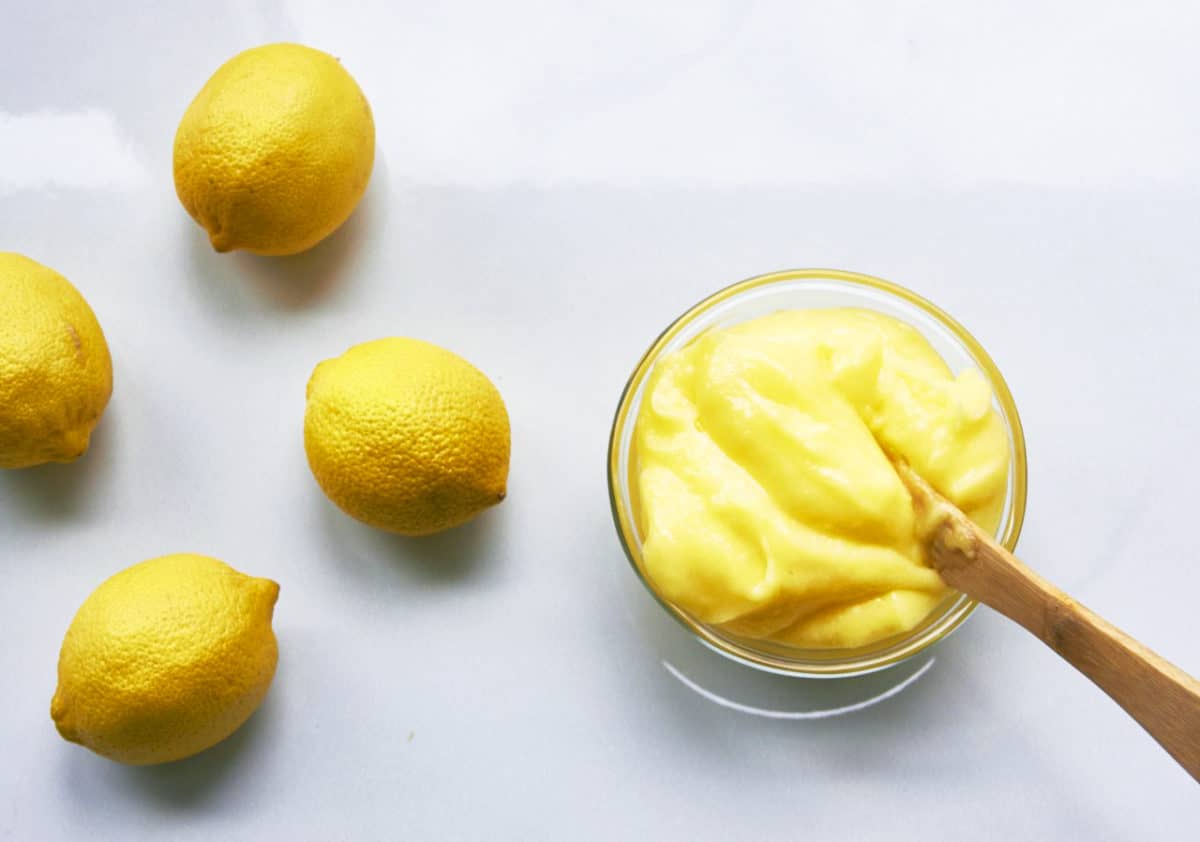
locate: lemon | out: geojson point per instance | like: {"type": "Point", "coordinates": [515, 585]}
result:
{"type": "Point", "coordinates": [55, 369]}
{"type": "Point", "coordinates": [275, 151]}
{"type": "Point", "coordinates": [406, 436]}
{"type": "Point", "coordinates": [166, 659]}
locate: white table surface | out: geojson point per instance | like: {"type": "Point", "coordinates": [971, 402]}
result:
{"type": "Point", "coordinates": [553, 184]}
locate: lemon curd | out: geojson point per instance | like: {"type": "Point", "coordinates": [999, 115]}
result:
{"type": "Point", "coordinates": [763, 490]}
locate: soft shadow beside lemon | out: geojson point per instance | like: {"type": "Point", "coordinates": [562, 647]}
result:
{"type": "Point", "coordinates": [195, 779]}
{"type": "Point", "coordinates": [236, 281]}
{"type": "Point", "coordinates": [296, 281]}
{"type": "Point", "coordinates": [446, 558]}
{"type": "Point", "coordinates": [59, 491]}
{"type": "Point", "coordinates": [300, 280]}
{"type": "Point", "coordinates": [191, 783]}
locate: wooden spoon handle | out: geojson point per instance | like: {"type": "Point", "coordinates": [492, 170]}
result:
{"type": "Point", "coordinates": [1161, 697]}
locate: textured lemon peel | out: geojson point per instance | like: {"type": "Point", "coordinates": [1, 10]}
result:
{"type": "Point", "coordinates": [406, 436]}
{"type": "Point", "coordinates": [55, 366]}
{"type": "Point", "coordinates": [276, 150]}
{"type": "Point", "coordinates": [165, 659]}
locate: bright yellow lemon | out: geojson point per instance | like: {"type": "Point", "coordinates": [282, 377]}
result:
{"type": "Point", "coordinates": [55, 369]}
{"type": "Point", "coordinates": [275, 151]}
{"type": "Point", "coordinates": [166, 659]}
{"type": "Point", "coordinates": [406, 436]}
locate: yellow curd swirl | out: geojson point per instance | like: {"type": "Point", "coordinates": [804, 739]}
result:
{"type": "Point", "coordinates": [763, 490]}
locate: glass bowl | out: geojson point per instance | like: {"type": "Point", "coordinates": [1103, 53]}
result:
{"type": "Point", "coordinates": [798, 290]}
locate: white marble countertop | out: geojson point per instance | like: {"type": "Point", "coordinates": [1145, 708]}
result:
{"type": "Point", "coordinates": [554, 183]}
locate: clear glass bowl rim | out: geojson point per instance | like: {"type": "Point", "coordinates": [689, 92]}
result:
{"type": "Point", "coordinates": [894, 652]}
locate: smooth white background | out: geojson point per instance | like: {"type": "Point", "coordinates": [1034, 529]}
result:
{"type": "Point", "coordinates": [554, 183]}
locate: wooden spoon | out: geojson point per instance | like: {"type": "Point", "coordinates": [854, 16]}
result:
{"type": "Point", "coordinates": [1161, 697]}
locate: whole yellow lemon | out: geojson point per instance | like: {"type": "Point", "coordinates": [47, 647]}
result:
{"type": "Point", "coordinates": [274, 153]}
{"type": "Point", "coordinates": [406, 436]}
{"type": "Point", "coordinates": [166, 659]}
{"type": "Point", "coordinates": [55, 369]}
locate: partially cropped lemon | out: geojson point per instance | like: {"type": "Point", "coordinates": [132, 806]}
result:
{"type": "Point", "coordinates": [274, 153]}
{"type": "Point", "coordinates": [166, 659]}
{"type": "Point", "coordinates": [406, 436]}
{"type": "Point", "coordinates": [55, 369]}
